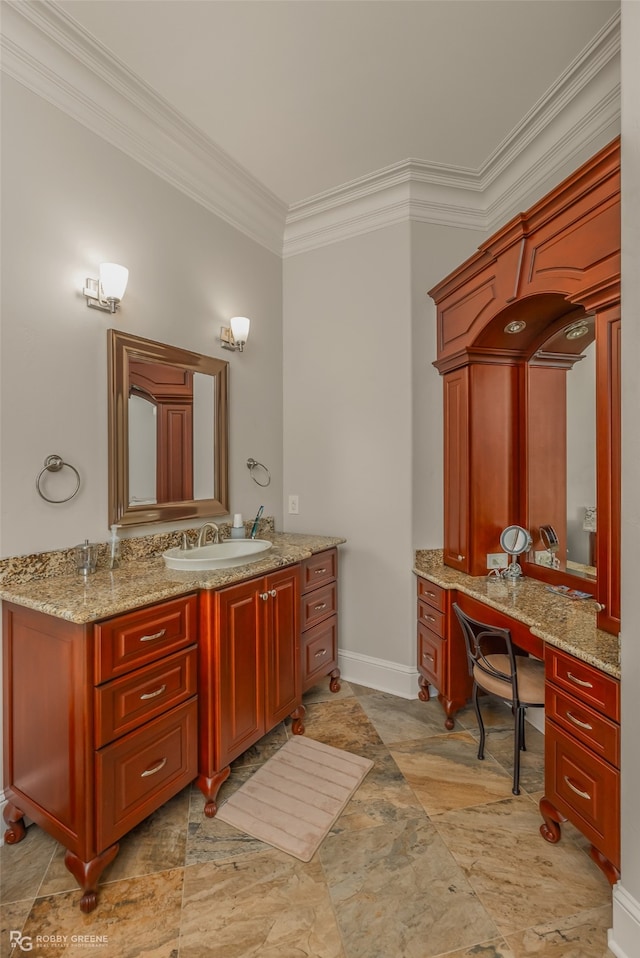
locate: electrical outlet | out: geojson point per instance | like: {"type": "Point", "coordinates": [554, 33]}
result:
{"type": "Point", "coordinates": [294, 506]}
{"type": "Point", "coordinates": [497, 560]}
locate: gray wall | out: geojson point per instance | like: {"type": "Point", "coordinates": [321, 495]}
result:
{"type": "Point", "coordinates": [70, 201]}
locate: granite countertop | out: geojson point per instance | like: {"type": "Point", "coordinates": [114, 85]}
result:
{"type": "Point", "coordinates": [568, 624]}
{"type": "Point", "coordinates": [143, 581]}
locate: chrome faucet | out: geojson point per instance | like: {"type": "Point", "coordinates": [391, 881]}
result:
{"type": "Point", "coordinates": [202, 535]}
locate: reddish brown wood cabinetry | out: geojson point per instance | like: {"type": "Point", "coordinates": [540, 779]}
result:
{"type": "Point", "coordinates": [505, 320]}
{"type": "Point", "coordinates": [319, 620]}
{"type": "Point", "coordinates": [100, 726]}
{"type": "Point", "coordinates": [249, 669]}
{"type": "Point", "coordinates": [582, 756]}
{"type": "Point", "coordinates": [442, 660]}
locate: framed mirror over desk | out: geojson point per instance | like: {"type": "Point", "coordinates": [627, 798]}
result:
{"type": "Point", "coordinates": [529, 350]}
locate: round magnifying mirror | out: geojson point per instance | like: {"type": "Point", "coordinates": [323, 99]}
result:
{"type": "Point", "coordinates": [514, 540]}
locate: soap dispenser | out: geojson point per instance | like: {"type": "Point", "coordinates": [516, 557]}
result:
{"type": "Point", "coordinates": [237, 529]}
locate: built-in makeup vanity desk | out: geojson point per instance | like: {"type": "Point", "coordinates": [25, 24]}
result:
{"type": "Point", "coordinates": [122, 687]}
{"type": "Point", "coordinates": [582, 693]}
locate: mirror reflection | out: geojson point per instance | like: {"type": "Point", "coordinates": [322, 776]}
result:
{"type": "Point", "coordinates": [562, 452]}
{"type": "Point", "coordinates": [168, 432]}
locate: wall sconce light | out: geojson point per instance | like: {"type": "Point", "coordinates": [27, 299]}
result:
{"type": "Point", "coordinates": [235, 335]}
{"type": "Point", "coordinates": [106, 292]}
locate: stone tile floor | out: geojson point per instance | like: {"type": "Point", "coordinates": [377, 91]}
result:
{"type": "Point", "coordinates": [433, 856]}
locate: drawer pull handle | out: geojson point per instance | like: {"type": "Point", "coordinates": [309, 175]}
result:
{"type": "Point", "coordinates": [319, 608]}
{"type": "Point", "coordinates": [431, 595]}
{"type": "Point", "coordinates": [577, 722]}
{"type": "Point", "coordinates": [577, 790]}
{"type": "Point", "coordinates": [431, 618]}
{"type": "Point", "coordinates": [429, 658]}
{"type": "Point", "coordinates": [151, 638]}
{"type": "Point", "coordinates": [319, 654]}
{"type": "Point", "coordinates": [156, 768]}
{"type": "Point", "coordinates": [319, 571]}
{"type": "Point", "coordinates": [153, 695]}
{"type": "Point", "coordinates": [273, 593]}
{"type": "Point", "coordinates": [585, 685]}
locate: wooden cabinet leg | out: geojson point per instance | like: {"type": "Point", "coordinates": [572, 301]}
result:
{"type": "Point", "coordinates": [423, 693]}
{"type": "Point", "coordinates": [450, 706]}
{"type": "Point", "coordinates": [550, 830]}
{"type": "Point", "coordinates": [87, 874]}
{"type": "Point", "coordinates": [14, 818]}
{"type": "Point", "coordinates": [609, 869]}
{"type": "Point", "coordinates": [297, 720]}
{"type": "Point", "coordinates": [210, 788]}
{"type": "Point", "coordinates": [334, 681]}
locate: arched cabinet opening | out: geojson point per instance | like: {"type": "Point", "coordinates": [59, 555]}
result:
{"type": "Point", "coordinates": [529, 350]}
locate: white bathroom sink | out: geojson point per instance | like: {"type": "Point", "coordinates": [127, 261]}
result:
{"type": "Point", "coordinates": [217, 555]}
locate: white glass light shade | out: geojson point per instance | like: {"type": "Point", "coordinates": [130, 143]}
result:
{"type": "Point", "coordinates": [240, 328]}
{"type": "Point", "coordinates": [113, 280]}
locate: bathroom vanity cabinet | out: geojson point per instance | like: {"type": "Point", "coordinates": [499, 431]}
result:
{"type": "Point", "coordinates": [319, 620]}
{"type": "Point", "coordinates": [249, 661]}
{"type": "Point", "coordinates": [112, 707]}
{"type": "Point", "coordinates": [100, 726]}
{"type": "Point", "coordinates": [582, 756]}
{"type": "Point", "coordinates": [582, 702]}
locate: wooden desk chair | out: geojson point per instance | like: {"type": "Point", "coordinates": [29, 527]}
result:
{"type": "Point", "coordinates": [497, 670]}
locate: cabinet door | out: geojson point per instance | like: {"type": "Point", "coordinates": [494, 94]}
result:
{"type": "Point", "coordinates": [239, 668]}
{"type": "Point", "coordinates": [282, 645]}
{"type": "Point", "coordinates": [456, 469]}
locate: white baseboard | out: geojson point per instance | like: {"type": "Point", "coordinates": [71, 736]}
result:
{"type": "Point", "coordinates": [379, 674]}
{"type": "Point", "coordinates": [625, 934]}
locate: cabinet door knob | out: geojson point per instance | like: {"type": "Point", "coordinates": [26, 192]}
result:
{"type": "Point", "coordinates": [460, 558]}
{"type": "Point", "coordinates": [273, 593]}
{"type": "Point", "coordinates": [264, 596]}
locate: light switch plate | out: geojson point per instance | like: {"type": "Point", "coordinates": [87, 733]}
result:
{"type": "Point", "coordinates": [497, 560]}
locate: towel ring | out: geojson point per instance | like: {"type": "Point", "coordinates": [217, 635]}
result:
{"type": "Point", "coordinates": [55, 464]}
{"type": "Point", "coordinates": [253, 464]}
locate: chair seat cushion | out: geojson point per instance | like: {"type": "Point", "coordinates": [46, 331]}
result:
{"type": "Point", "coordinates": [530, 679]}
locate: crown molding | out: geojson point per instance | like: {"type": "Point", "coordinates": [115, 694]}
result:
{"type": "Point", "coordinates": [568, 123]}
{"type": "Point", "coordinates": [49, 53]}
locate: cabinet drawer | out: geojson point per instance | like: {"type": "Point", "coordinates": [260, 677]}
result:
{"type": "Point", "coordinates": [125, 703]}
{"type": "Point", "coordinates": [432, 594]}
{"type": "Point", "coordinates": [432, 618]}
{"type": "Point", "coordinates": [584, 789]}
{"type": "Point", "coordinates": [587, 683]}
{"type": "Point", "coordinates": [141, 771]}
{"type": "Point", "coordinates": [595, 731]}
{"type": "Point", "coordinates": [141, 637]}
{"type": "Point", "coordinates": [319, 604]}
{"type": "Point", "coordinates": [319, 650]}
{"type": "Point", "coordinates": [430, 656]}
{"type": "Point", "coordinates": [319, 569]}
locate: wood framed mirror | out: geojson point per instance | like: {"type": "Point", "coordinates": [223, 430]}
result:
{"type": "Point", "coordinates": [168, 432]}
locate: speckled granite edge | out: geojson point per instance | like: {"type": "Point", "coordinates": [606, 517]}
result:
{"type": "Point", "coordinates": [143, 581]}
{"type": "Point", "coordinates": [566, 624]}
